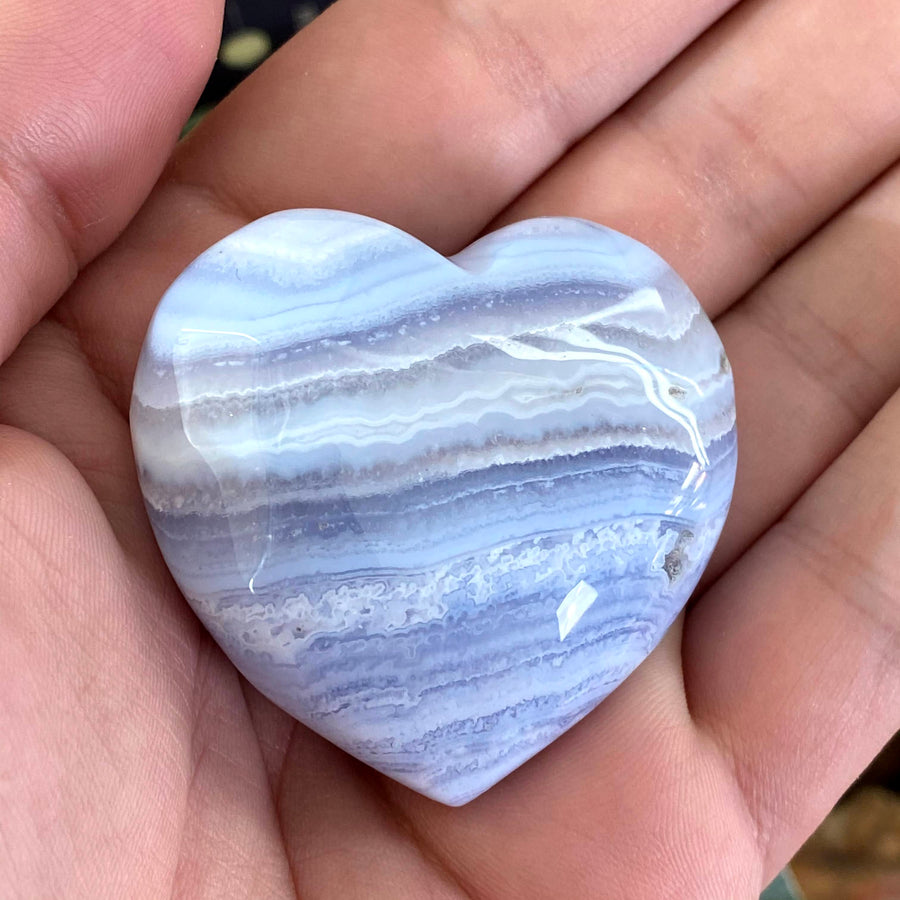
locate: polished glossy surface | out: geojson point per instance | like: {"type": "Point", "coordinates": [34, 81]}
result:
{"type": "Point", "coordinates": [435, 509]}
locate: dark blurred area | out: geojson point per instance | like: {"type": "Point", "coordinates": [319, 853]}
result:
{"type": "Point", "coordinates": [253, 30]}
{"type": "Point", "coordinates": [855, 854]}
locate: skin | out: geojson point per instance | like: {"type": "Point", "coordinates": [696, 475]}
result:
{"type": "Point", "coordinates": [752, 144]}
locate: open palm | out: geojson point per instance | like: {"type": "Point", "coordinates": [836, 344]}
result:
{"type": "Point", "coordinates": [134, 761]}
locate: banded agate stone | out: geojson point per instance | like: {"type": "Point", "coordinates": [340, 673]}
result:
{"type": "Point", "coordinates": [434, 509]}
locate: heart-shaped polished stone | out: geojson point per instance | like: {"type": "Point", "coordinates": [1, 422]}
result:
{"type": "Point", "coordinates": [435, 509]}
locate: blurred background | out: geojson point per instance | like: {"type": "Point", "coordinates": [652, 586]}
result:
{"type": "Point", "coordinates": [855, 854]}
{"type": "Point", "coordinates": [253, 30]}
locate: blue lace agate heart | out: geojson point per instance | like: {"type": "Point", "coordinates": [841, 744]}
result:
{"type": "Point", "coordinates": [435, 509]}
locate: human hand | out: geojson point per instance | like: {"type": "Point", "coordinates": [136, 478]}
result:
{"type": "Point", "coordinates": [135, 761]}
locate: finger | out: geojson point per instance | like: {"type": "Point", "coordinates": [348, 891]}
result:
{"type": "Point", "coordinates": [764, 128]}
{"type": "Point", "coordinates": [816, 352]}
{"type": "Point", "coordinates": [340, 836]}
{"type": "Point", "coordinates": [47, 389]}
{"type": "Point", "coordinates": [430, 115]}
{"type": "Point", "coordinates": [93, 97]}
{"type": "Point", "coordinates": [792, 659]}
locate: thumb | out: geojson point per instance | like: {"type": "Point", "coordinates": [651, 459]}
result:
{"type": "Point", "coordinates": [94, 94]}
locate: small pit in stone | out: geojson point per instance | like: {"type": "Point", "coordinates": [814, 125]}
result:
{"type": "Point", "coordinates": [676, 559]}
